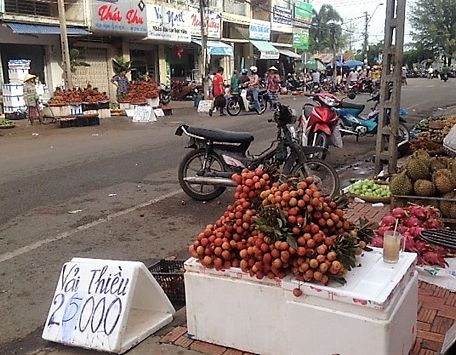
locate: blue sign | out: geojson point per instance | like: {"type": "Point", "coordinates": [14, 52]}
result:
{"type": "Point", "coordinates": [260, 30]}
{"type": "Point", "coordinates": [282, 19]}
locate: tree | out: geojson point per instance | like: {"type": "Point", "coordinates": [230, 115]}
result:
{"type": "Point", "coordinates": [434, 26]}
{"type": "Point", "coordinates": [76, 60]}
{"type": "Point", "coordinates": [320, 31]}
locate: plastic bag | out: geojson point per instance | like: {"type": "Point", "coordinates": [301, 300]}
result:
{"type": "Point", "coordinates": [336, 137]}
{"type": "Point", "coordinates": [449, 141]}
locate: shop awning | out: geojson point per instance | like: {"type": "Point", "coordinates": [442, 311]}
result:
{"type": "Point", "coordinates": [217, 48]}
{"type": "Point", "coordinates": [267, 50]}
{"type": "Point", "coordinates": [289, 53]}
{"type": "Point", "coordinates": [26, 28]}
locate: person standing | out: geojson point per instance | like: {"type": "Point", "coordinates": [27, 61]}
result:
{"type": "Point", "coordinates": [219, 92]}
{"type": "Point", "coordinates": [273, 86]}
{"type": "Point", "coordinates": [404, 76]}
{"type": "Point", "coordinates": [121, 83]}
{"type": "Point", "coordinates": [31, 98]}
{"type": "Point", "coordinates": [234, 82]}
{"type": "Point", "coordinates": [254, 87]}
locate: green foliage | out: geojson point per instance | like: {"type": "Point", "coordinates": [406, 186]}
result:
{"type": "Point", "coordinates": [76, 61]}
{"type": "Point", "coordinates": [434, 25]}
{"type": "Point", "coordinates": [119, 64]}
{"type": "Point", "coordinates": [321, 29]}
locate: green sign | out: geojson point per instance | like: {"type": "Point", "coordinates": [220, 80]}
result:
{"type": "Point", "coordinates": [300, 38]}
{"type": "Point", "coordinates": [303, 12]}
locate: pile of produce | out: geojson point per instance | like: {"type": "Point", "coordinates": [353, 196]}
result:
{"type": "Point", "coordinates": [274, 229]}
{"type": "Point", "coordinates": [77, 96]}
{"type": "Point", "coordinates": [140, 91]}
{"type": "Point", "coordinates": [411, 221]}
{"type": "Point", "coordinates": [428, 177]}
{"type": "Point", "coordinates": [369, 188]}
{"type": "Point", "coordinates": [4, 123]}
{"type": "Point", "coordinates": [430, 132]}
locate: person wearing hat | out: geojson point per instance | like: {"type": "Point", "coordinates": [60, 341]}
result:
{"type": "Point", "coordinates": [31, 98]}
{"type": "Point", "coordinates": [273, 86]}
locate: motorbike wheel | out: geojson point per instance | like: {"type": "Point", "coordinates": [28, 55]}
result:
{"type": "Point", "coordinates": [319, 139]}
{"type": "Point", "coordinates": [263, 106]}
{"type": "Point", "coordinates": [233, 108]}
{"type": "Point", "coordinates": [324, 175]}
{"type": "Point", "coordinates": [191, 165]}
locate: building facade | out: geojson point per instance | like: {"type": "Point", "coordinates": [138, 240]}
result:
{"type": "Point", "coordinates": [160, 38]}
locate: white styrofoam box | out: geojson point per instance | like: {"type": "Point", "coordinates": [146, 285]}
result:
{"type": "Point", "coordinates": [231, 308]}
{"type": "Point", "coordinates": [372, 285]}
{"type": "Point", "coordinates": [17, 74]}
{"type": "Point", "coordinates": [75, 109]}
{"type": "Point", "coordinates": [11, 109]}
{"type": "Point", "coordinates": [153, 102]}
{"type": "Point", "coordinates": [104, 112]}
{"type": "Point", "coordinates": [124, 105]}
{"type": "Point", "coordinates": [13, 89]}
{"type": "Point", "coordinates": [14, 101]}
{"type": "Point", "coordinates": [59, 110]}
{"type": "Point", "coordinates": [377, 308]}
{"type": "Point", "coordinates": [324, 330]}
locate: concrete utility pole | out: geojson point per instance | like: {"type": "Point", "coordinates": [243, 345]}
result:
{"type": "Point", "coordinates": [64, 45]}
{"type": "Point", "coordinates": [366, 34]}
{"type": "Point", "coordinates": [204, 65]}
{"type": "Point", "coordinates": [390, 90]}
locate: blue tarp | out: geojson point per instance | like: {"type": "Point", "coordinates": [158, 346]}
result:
{"type": "Point", "coordinates": [354, 63]}
{"type": "Point", "coordinates": [217, 48]}
{"type": "Point", "coordinates": [26, 28]}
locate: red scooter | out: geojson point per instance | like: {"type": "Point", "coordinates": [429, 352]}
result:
{"type": "Point", "coordinates": [318, 125]}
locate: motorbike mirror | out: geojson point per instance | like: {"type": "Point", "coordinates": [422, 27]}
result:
{"type": "Point", "coordinates": [352, 96]}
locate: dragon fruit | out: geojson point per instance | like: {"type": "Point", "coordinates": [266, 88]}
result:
{"type": "Point", "coordinates": [411, 222]}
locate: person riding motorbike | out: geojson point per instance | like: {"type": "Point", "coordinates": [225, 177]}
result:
{"type": "Point", "coordinates": [243, 78]}
{"type": "Point", "coordinates": [254, 86]}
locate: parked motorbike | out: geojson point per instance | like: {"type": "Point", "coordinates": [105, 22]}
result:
{"type": "Point", "coordinates": [444, 77]}
{"type": "Point", "coordinates": [244, 102]}
{"type": "Point", "coordinates": [205, 172]}
{"type": "Point", "coordinates": [353, 123]}
{"type": "Point", "coordinates": [165, 94]}
{"type": "Point", "coordinates": [183, 90]}
{"type": "Point", "coordinates": [317, 123]}
{"type": "Point", "coordinates": [294, 84]}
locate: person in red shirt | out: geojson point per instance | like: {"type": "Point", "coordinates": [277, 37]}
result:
{"type": "Point", "coordinates": [218, 91]}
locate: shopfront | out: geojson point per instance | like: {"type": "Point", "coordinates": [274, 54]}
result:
{"type": "Point", "coordinates": [265, 53]}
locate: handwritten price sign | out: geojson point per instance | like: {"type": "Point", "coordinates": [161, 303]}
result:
{"type": "Point", "coordinates": [93, 302]}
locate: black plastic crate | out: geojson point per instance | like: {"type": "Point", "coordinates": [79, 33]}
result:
{"type": "Point", "coordinates": [89, 106]}
{"type": "Point", "coordinates": [104, 105]}
{"type": "Point", "coordinates": [170, 276]}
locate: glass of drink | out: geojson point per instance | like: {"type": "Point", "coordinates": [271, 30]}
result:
{"type": "Point", "coordinates": [393, 246]}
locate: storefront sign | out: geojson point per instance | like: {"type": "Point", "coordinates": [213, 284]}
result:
{"type": "Point", "coordinates": [260, 30]}
{"type": "Point", "coordinates": [167, 24]}
{"type": "Point", "coordinates": [300, 38]}
{"type": "Point", "coordinates": [211, 22]}
{"type": "Point", "coordinates": [303, 12]}
{"type": "Point", "coordinates": [282, 19]}
{"type": "Point", "coordinates": [119, 16]}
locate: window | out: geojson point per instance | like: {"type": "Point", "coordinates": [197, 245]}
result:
{"type": "Point", "coordinates": [235, 7]}
{"type": "Point", "coordinates": [30, 7]}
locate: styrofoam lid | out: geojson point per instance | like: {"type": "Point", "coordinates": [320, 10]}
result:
{"type": "Point", "coordinates": [370, 284]}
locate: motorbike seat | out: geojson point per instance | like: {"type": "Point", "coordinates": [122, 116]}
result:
{"type": "Point", "coordinates": [350, 105]}
{"type": "Point", "coordinates": [220, 135]}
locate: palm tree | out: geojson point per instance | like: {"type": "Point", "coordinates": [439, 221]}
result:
{"type": "Point", "coordinates": [320, 31]}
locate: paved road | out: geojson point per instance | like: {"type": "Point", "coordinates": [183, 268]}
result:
{"type": "Point", "coordinates": [119, 179]}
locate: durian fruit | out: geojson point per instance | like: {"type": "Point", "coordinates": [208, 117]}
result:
{"type": "Point", "coordinates": [417, 169]}
{"type": "Point", "coordinates": [424, 188]}
{"type": "Point", "coordinates": [401, 184]}
{"type": "Point", "coordinates": [422, 155]}
{"type": "Point", "coordinates": [438, 163]}
{"type": "Point", "coordinates": [448, 208]}
{"type": "Point", "coordinates": [444, 181]}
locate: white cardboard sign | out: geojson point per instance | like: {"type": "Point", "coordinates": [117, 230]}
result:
{"type": "Point", "coordinates": [204, 105]}
{"type": "Point", "coordinates": [106, 305]}
{"type": "Point", "coordinates": [144, 114]}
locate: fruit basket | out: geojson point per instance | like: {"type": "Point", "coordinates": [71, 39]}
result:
{"type": "Point", "coordinates": [6, 124]}
{"type": "Point", "coordinates": [170, 276]}
{"type": "Point", "coordinates": [371, 191]}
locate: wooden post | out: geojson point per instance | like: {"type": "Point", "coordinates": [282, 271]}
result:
{"type": "Point", "coordinates": [390, 91]}
{"type": "Point", "coordinates": [64, 46]}
{"type": "Point", "coordinates": [204, 65]}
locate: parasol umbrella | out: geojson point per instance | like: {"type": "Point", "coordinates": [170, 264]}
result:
{"type": "Point", "coordinates": [354, 63]}
{"type": "Point", "coordinates": [314, 64]}
{"type": "Point", "coordinates": [338, 65]}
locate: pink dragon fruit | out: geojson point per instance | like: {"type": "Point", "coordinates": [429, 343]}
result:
{"type": "Point", "coordinates": [418, 211]}
{"type": "Point", "coordinates": [412, 221]}
{"type": "Point", "coordinates": [388, 220]}
{"type": "Point", "coordinates": [398, 212]}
